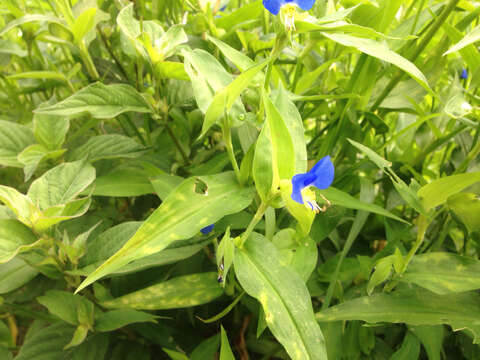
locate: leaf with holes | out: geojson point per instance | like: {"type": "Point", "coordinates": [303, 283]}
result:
{"type": "Point", "coordinates": [194, 204]}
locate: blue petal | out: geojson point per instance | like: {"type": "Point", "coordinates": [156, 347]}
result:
{"type": "Point", "coordinates": [298, 183]}
{"type": "Point", "coordinates": [274, 5]}
{"type": "Point", "coordinates": [324, 173]}
{"type": "Point", "coordinates": [304, 4]}
{"type": "Point", "coordinates": [207, 229]}
{"type": "Point", "coordinates": [464, 74]}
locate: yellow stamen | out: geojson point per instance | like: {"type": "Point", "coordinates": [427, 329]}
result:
{"type": "Point", "coordinates": [288, 12]}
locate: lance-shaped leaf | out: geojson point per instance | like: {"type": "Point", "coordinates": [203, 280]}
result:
{"type": "Point", "coordinates": [382, 52]}
{"type": "Point", "coordinates": [284, 298]}
{"type": "Point", "coordinates": [274, 157]}
{"type": "Point", "coordinates": [100, 101]}
{"type": "Point", "coordinates": [438, 191]}
{"type": "Point", "coordinates": [224, 99]}
{"type": "Point", "coordinates": [179, 292]}
{"type": "Point", "coordinates": [194, 204]}
{"type": "Point", "coordinates": [470, 38]}
{"type": "Point", "coordinates": [443, 273]}
{"type": "Point", "coordinates": [412, 306]}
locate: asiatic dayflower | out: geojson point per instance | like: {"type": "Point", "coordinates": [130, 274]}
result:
{"type": "Point", "coordinates": [207, 229]}
{"type": "Point", "coordinates": [320, 176]}
{"type": "Point", "coordinates": [464, 74]}
{"type": "Point", "coordinates": [287, 9]}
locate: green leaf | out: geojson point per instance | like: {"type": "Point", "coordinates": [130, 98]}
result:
{"type": "Point", "coordinates": [61, 184]}
{"type": "Point", "coordinates": [33, 155]}
{"type": "Point", "coordinates": [443, 273]}
{"type": "Point", "coordinates": [382, 52]}
{"type": "Point", "coordinates": [341, 198]}
{"type": "Point", "coordinates": [168, 44]}
{"type": "Point", "coordinates": [470, 38]}
{"type": "Point", "coordinates": [466, 207]}
{"type": "Point", "coordinates": [225, 254]}
{"type": "Point", "coordinates": [431, 338]}
{"type": "Point", "coordinates": [116, 319]}
{"type": "Point", "coordinates": [410, 348]}
{"type": "Point", "coordinates": [14, 238]}
{"type": "Point", "coordinates": [411, 306]}
{"type": "Point", "coordinates": [284, 298]}
{"type": "Point", "coordinates": [39, 75]}
{"type": "Point", "coordinates": [408, 193]}
{"type": "Point", "coordinates": [274, 157]}
{"type": "Point", "coordinates": [438, 191]}
{"type": "Point", "coordinates": [13, 139]}
{"type": "Point", "coordinates": [67, 306]}
{"type": "Point", "coordinates": [262, 167]}
{"type": "Point", "coordinates": [15, 274]}
{"type": "Point", "coordinates": [171, 70]}
{"type": "Point", "coordinates": [78, 337]}
{"type": "Point", "coordinates": [46, 342]}
{"type": "Point", "coordinates": [293, 121]}
{"type": "Point", "coordinates": [31, 18]}
{"type": "Point", "coordinates": [225, 350]}
{"type": "Point", "coordinates": [179, 292]}
{"type": "Point", "coordinates": [100, 101]}
{"type": "Point", "coordinates": [239, 59]}
{"type": "Point", "coordinates": [83, 24]}
{"type": "Point", "coordinates": [58, 213]}
{"type": "Point", "coordinates": [372, 155]}
{"type": "Point", "coordinates": [12, 48]}
{"type": "Point", "coordinates": [251, 11]}
{"type": "Point", "coordinates": [50, 131]}
{"type": "Point", "coordinates": [300, 212]}
{"type": "Point", "coordinates": [93, 348]}
{"type": "Point", "coordinates": [165, 183]}
{"type": "Point", "coordinates": [207, 349]}
{"type": "Point", "coordinates": [127, 22]}
{"type": "Point", "coordinates": [209, 77]}
{"type": "Point", "coordinates": [109, 242]}
{"type": "Point", "coordinates": [107, 147]}
{"type": "Point", "coordinates": [469, 53]}
{"type": "Point", "coordinates": [20, 204]}
{"type": "Point", "coordinates": [224, 99]}
{"type": "Point", "coordinates": [299, 253]}
{"type": "Point", "coordinates": [124, 181]}
{"type": "Point", "coordinates": [6, 339]}
{"type": "Point", "coordinates": [194, 204]}
{"type": "Point", "coordinates": [175, 355]}
{"type": "Point", "coordinates": [383, 269]}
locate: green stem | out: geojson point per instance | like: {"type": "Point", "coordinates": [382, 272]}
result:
{"type": "Point", "coordinates": [422, 228]}
{"type": "Point", "coordinates": [227, 136]}
{"type": "Point", "coordinates": [177, 143]}
{"type": "Point", "coordinates": [256, 218]}
{"type": "Point", "coordinates": [92, 71]}
{"type": "Point", "coordinates": [135, 130]}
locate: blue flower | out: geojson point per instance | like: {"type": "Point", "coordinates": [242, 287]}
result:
{"type": "Point", "coordinates": [464, 74]}
{"type": "Point", "coordinates": [207, 229]}
{"type": "Point", "coordinates": [320, 176]}
{"type": "Point", "coordinates": [274, 5]}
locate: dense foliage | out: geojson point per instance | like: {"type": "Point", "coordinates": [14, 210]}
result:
{"type": "Point", "coordinates": [211, 179]}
